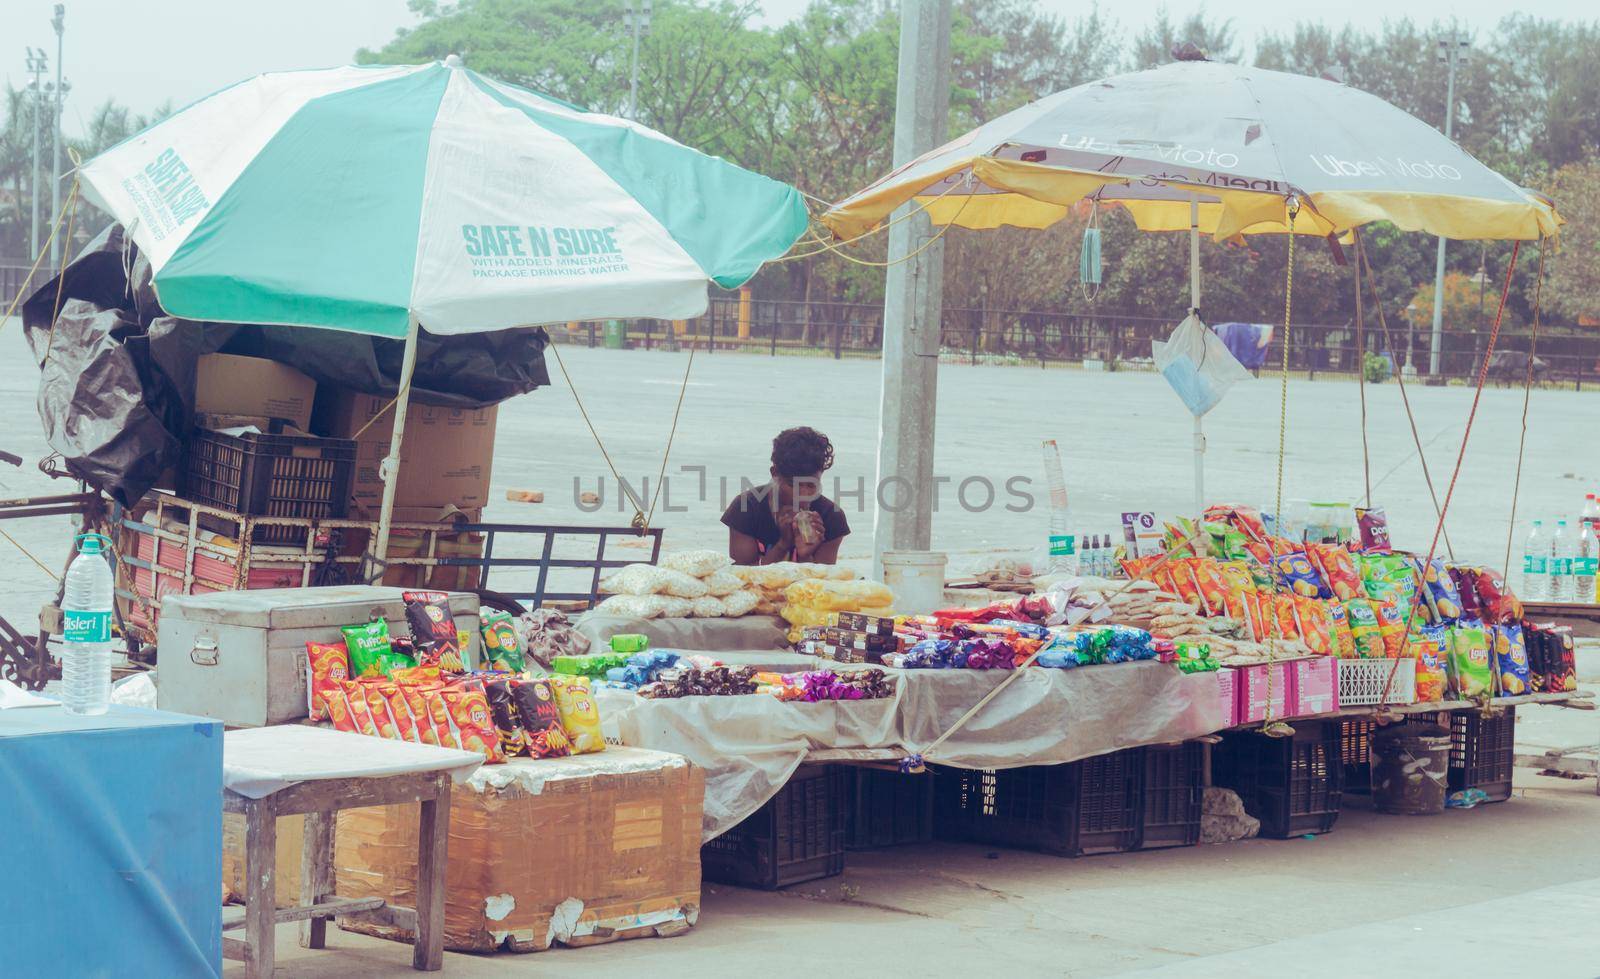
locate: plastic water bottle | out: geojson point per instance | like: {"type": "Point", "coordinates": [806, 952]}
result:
{"type": "Point", "coordinates": [1585, 564]}
{"type": "Point", "coordinates": [1535, 565]}
{"type": "Point", "coordinates": [1063, 551]}
{"type": "Point", "coordinates": [1560, 568]}
{"type": "Point", "coordinates": [86, 630]}
{"type": "Point", "coordinates": [1591, 507]}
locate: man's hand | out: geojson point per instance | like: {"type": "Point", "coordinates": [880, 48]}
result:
{"type": "Point", "coordinates": [804, 551]}
{"type": "Point", "coordinates": [786, 527]}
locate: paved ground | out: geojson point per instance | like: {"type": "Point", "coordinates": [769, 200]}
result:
{"type": "Point", "coordinates": [1512, 886]}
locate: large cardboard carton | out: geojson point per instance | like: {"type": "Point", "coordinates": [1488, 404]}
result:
{"type": "Point", "coordinates": [447, 458]}
{"type": "Point", "coordinates": [570, 851]}
{"type": "Point", "coordinates": [226, 384]}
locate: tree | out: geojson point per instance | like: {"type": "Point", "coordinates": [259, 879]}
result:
{"type": "Point", "coordinates": [1572, 289]}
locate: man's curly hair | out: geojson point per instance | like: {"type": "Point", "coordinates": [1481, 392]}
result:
{"type": "Point", "coordinates": [801, 452]}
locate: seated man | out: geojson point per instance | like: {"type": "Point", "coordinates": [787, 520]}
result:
{"type": "Point", "coordinates": [788, 518]}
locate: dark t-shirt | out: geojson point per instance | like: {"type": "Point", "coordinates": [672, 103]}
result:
{"type": "Point", "coordinates": [751, 513]}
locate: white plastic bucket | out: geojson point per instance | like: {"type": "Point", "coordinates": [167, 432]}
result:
{"type": "Point", "coordinates": [917, 580]}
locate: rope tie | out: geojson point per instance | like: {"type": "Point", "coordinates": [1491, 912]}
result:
{"type": "Point", "coordinates": [1522, 442]}
{"type": "Point", "coordinates": [1472, 414]}
{"type": "Point", "coordinates": [1399, 378]}
{"type": "Point", "coordinates": [1269, 726]}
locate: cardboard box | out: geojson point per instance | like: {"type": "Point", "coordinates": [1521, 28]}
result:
{"type": "Point", "coordinates": [291, 837]}
{"type": "Point", "coordinates": [1254, 703]}
{"type": "Point", "coordinates": [226, 384]}
{"type": "Point", "coordinates": [571, 851]}
{"type": "Point", "coordinates": [447, 457]}
{"type": "Point", "coordinates": [1315, 685]}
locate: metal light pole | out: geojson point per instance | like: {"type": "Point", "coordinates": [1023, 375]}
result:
{"type": "Point", "coordinates": [1453, 53]}
{"type": "Point", "coordinates": [36, 64]}
{"type": "Point", "coordinates": [636, 17]}
{"type": "Point", "coordinates": [59, 22]}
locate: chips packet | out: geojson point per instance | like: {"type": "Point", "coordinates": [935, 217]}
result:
{"type": "Point", "coordinates": [1208, 576]}
{"type": "Point", "coordinates": [1471, 674]}
{"type": "Point", "coordinates": [580, 718]}
{"type": "Point", "coordinates": [1431, 647]}
{"type": "Point", "coordinates": [543, 735]}
{"type": "Point", "coordinates": [355, 699]}
{"type": "Point", "coordinates": [507, 723]}
{"type": "Point", "coordinates": [445, 734]}
{"type": "Point", "coordinates": [1467, 588]}
{"type": "Point", "coordinates": [1364, 629]}
{"type": "Point", "coordinates": [417, 704]}
{"type": "Point", "coordinates": [1443, 597]}
{"type": "Point", "coordinates": [1296, 575]}
{"type": "Point", "coordinates": [1392, 627]}
{"type": "Point", "coordinates": [1338, 570]}
{"type": "Point", "coordinates": [1495, 600]}
{"type": "Point", "coordinates": [370, 651]}
{"type": "Point", "coordinates": [433, 629]}
{"type": "Point", "coordinates": [405, 725]}
{"type": "Point", "coordinates": [1511, 661]}
{"type": "Point", "coordinates": [1316, 629]}
{"type": "Point", "coordinates": [502, 648]}
{"type": "Point", "coordinates": [1373, 525]}
{"type": "Point", "coordinates": [474, 724]}
{"type": "Point", "coordinates": [1343, 640]}
{"type": "Point", "coordinates": [325, 661]}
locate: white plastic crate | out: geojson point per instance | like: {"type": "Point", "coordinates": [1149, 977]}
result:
{"type": "Point", "coordinates": [1362, 682]}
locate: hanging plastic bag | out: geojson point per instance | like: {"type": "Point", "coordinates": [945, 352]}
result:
{"type": "Point", "coordinates": [1197, 364]}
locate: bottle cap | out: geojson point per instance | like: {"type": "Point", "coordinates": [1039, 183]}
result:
{"type": "Point", "coordinates": [91, 543]}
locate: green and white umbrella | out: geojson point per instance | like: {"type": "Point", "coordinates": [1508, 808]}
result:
{"type": "Point", "coordinates": [380, 199]}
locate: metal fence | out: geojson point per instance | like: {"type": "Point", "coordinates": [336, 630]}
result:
{"type": "Point", "coordinates": [1045, 339]}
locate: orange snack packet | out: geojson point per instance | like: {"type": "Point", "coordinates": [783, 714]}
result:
{"type": "Point", "coordinates": [325, 661]}
{"type": "Point", "coordinates": [1315, 628]}
{"type": "Point", "coordinates": [469, 715]}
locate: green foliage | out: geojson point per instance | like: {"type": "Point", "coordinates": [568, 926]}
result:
{"type": "Point", "coordinates": [1375, 368]}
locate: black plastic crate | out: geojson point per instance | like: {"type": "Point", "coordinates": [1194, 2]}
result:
{"type": "Point", "coordinates": [1355, 750]}
{"type": "Point", "coordinates": [797, 836]}
{"type": "Point", "coordinates": [1077, 809]}
{"type": "Point", "coordinates": [888, 809]}
{"type": "Point", "coordinates": [255, 474]}
{"type": "Point", "coordinates": [1294, 785]}
{"type": "Point", "coordinates": [1483, 752]}
{"type": "Point", "coordinates": [1172, 795]}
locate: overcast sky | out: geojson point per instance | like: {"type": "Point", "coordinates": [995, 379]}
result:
{"type": "Point", "coordinates": [143, 52]}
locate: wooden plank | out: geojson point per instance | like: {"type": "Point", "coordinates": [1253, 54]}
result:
{"type": "Point", "coordinates": [260, 889]}
{"type": "Point", "coordinates": [433, 838]}
{"type": "Point", "coordinates": [316, 876]}
{"type": "Point", "coordinates": [332, 907]}
{"type": "Point", "coordinates": [388, 916]}
{"type": "Point", "coordinates": [1582, 617]}
{"type": "Point", "coordinates": [233, 948]}
{"type": "Point", "coordinates": [325, 795]}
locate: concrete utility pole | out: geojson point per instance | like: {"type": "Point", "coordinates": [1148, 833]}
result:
{"type": "Point", "coordinates": [59, 22]}
{"type": "Point", "coordinates": [36, 64]}
{"type": "Point", "coordinates": [1453, 52]}
{"type": "Point", "coordinates": [913, 297]}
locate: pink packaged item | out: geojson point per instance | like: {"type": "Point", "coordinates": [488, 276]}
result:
{"type": "Point", "coordinates": [1315, 686]}
{"type": "Point", "coordinates": [1228, 687]}
{"type": "Point", "coordinates": [1253, 702]}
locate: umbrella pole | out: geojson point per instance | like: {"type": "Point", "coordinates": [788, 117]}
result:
{"type": "Point", "coordinates": [1194, 309]}
{"type": "Point", "coordinates": [390, 468]}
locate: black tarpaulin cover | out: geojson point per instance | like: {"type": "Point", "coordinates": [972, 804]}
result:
{"type": "Point", "coordinates": [117, 374]}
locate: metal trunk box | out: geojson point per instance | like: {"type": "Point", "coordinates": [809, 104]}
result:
{"type": "Point", "coordinates": [240, 656]}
